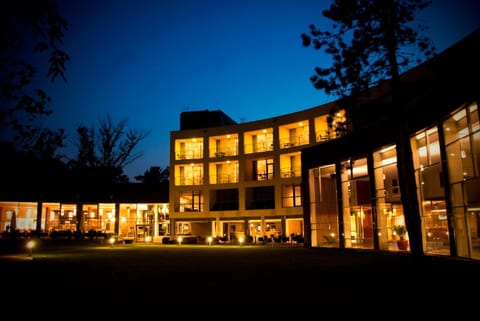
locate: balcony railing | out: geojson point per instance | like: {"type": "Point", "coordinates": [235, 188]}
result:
{"type": "Point", "coordinates": [189, 155]}
{"type": "Point", "coordinates": [182, 181]}
{"type": "Point", "coordinates": [224, 179]}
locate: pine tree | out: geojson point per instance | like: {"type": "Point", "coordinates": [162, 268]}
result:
{"type": "Point", "coordinates": [371, 43]}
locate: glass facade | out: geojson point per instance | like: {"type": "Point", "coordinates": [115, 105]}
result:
{"type": "Point", "coordinates": [462, 145]}
{"type": "Point", "coordinates": [137, 222]}
{"type": "Point", "coordinates": [446, 164]}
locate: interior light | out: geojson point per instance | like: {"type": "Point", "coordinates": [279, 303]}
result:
{"type": "Point", "coordinates": [459, 115]}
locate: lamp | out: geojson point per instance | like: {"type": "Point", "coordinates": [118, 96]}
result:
{"type": "Point", "coordinates": [30, 245]}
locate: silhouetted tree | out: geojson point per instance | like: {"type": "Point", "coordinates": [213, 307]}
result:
{"type": "Point", "coordinates": [26, 174]}
{"type": "Point", "coordinates": [154, 175]}
{"type": "Point", "coordinates": [103, 154]}
{"type": "Point", "coordinates": [372, 42]}
{"type": "Point", "coordinates": [31, 32]}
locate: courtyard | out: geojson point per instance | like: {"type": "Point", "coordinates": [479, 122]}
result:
{"type": "Point", "coordinates": [197, 280]}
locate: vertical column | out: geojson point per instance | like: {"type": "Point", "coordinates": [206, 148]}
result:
{"type": "Point", "coordinates": [246, 231]}
{"type": "Point", "coordinates": [117, 218]}
{"type": "Point", "coordinates": [79, 222]}
{"type": "Point", "coordinates": [312, 137]}
{"type": "Point", "coordinates": [38, 227]}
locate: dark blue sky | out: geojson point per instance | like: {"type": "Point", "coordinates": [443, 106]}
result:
{"type": "Point", "coordinates": [147, 61]}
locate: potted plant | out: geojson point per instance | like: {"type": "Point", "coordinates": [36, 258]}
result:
{"type": "Point", "coordinates": [400, 231]}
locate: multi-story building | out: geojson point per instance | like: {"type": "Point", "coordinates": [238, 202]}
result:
{"type": "Point", "coordinates": [291, 175]}
{"type": "Point", "coordinates": [230, 180]}
{"type": "Point", "coordinates": [292, 178]}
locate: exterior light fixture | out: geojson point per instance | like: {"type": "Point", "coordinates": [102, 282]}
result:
{"type": "Point", "coordinates": [30, 246]}
{"type": "Point", "coordinates": [240, 240]}
{"type": "Point", "coordinates": [111, 240]}
{"type": "Point", "coordinates": [179, 240]}
{"type": "Point", "coordinates": [209, 240]}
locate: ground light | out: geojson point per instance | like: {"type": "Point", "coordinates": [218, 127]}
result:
{"type": "Point", "coordinates": [111, 241]}
{"type": "Point", "coordinates": [30, 245]}
{"type": "Point", "coordinates": [209, 240]}
{"type": "Point", "coordinates": [179, 240]}
{"type": "Point", "coordinates": [240, 240]}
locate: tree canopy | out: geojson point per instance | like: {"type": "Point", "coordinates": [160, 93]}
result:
{"type": "Point", "coordinates": [369, 42]}
{"type": "Point", "coordinates": [155, 175]}
{"type": "Point", "coordinates": [372, 43]}
{"type": "Point", "coordinates": [31, 35]}
{"type": "Point", "coordinates": [360, 42]}
{"type": "Point", "coordinates": [103, 153]}
{"type": "Point", "coordinates": [31, 38]}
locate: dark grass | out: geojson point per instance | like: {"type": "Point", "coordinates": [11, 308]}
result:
{"type": "Point", "coordinates": [234, 277]}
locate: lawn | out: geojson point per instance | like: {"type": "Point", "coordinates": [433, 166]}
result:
{"type": "Point", "coordinates": [98, 274]}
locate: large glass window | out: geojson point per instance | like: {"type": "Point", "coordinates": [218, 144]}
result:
{"type": "Point", "coordinates": [223, 145]}
{"type": "Point", "coordinates": [258, 141]}
{"type": "Point", "coordinates": [223, 172]}
{"type": "Point", "coordinates": [358, 218]}
{"type": "Point", "coordinates": [189, 174]}
{"type": "Point", "coordinates": [462, 138]}
{"type": "Point", "coordinates": [323, 206]}
{"type": "Point", "coordinates": [390, 217]}
{"type": "Point", "coordinates": [259, 169]}
{"type": "Point", "coordinates": [65, 218]}
{"type": "Point", "coordinates": [224, 199]}
{"type": "Point", "coordinates": [429, 174]}
{"type": "Point", "coordinates": [260, 197]}
{"type": "Point", "coordinates": [291, 195]}
{"type": "Point", "coordinates": [189, 148]}
{"type": "Point", "coordinates": [290, 165]}
{"type": "Point", "coordinates": [190, 201]}
{"type": "Point", "coordinates": [19, 218]}
{"type": "Point", "coordinates": [143, 222]}
{"type": "Point", "coordinates": [329, 126]}
{"type": "Point", "coordinates": [294, 134]}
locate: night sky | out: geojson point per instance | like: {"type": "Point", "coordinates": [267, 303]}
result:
{"type": "Point", "coordinates": [148, 61]}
